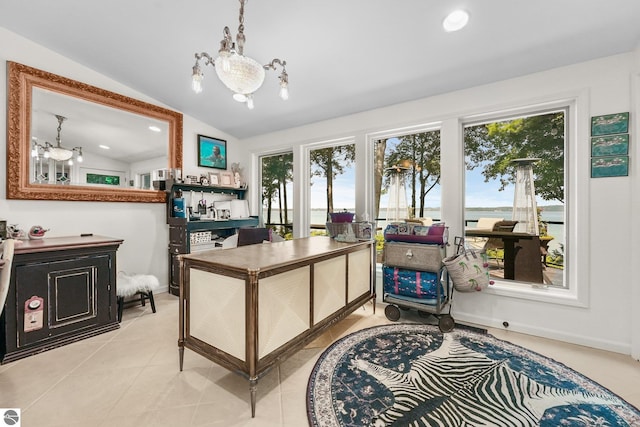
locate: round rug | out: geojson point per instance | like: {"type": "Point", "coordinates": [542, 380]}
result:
{"type": "Point", "coordinates": [412, 374]}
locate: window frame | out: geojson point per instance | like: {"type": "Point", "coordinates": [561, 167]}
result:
{"type": "Point", "coordinates": [257, 161]}
{"type": "Point", "coordinates": [576, 291]}
{"type": "Point", "coordinates": [302, 225]}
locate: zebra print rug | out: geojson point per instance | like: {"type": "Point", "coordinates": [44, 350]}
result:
{"type": "Point", "coordinates": [413, 375]}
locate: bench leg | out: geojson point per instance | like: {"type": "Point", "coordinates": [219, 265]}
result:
{"type": "Point", "coordinates": [153, 303]}
{"type": "Point", "coordinates": [120, 304]}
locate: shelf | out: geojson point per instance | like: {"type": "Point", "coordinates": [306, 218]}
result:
{"type": "Point", "coordinates": [171, 186]}
{"type": "Point", "coordinates": [213, 225]}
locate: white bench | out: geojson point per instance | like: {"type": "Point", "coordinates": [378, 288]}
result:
{"type": "Point", "coordinates": [137, 284]}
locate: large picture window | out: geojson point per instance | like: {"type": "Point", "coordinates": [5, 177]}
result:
{"type": "Point", "coordinates": [276, 172]}
{"type": "Point", "coordinates": [332, 182]}
{"type": "Point", "coordinates": [406, 180]}
{"type": "Point", "coordinates": [515, 199]}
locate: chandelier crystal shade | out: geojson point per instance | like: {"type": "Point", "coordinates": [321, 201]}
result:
{"type": "Point", "coordinates": [241, 74]}
{"type": "Point", "coordinates": [56, 152]}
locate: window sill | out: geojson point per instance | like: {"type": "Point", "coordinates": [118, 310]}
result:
{"type": "Point", "coordinates": [534, 292]}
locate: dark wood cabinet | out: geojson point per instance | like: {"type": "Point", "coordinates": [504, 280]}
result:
{"type": "Point", "coordinates": [62, 290]}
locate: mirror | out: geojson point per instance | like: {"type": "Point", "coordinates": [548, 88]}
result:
{"type": "Point", "coordinates": [46, 110]}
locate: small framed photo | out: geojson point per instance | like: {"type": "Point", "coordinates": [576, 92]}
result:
{"type": "Point", "coordinates": [226, 179]}
{"type": "Point", "coordinates": [214, 178]}
{"type": "Point", "coordinates": [212, 152]}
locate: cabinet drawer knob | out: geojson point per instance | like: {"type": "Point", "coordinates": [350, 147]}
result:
{"type": "Point", "coordinates": [409, 254]}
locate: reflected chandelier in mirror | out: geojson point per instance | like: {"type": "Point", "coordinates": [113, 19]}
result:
{"type": "Point", "coordinates": [118, 149]}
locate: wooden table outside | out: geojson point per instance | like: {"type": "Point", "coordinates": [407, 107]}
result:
{"type": "Point", "coordinates": [522, 259]}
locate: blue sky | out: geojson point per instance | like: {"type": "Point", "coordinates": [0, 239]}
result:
{"type": "Point", "coordinates": [478, 194]}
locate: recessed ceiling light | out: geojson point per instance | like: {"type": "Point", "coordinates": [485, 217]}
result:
{"type": "Point", "coordinates": [455, 21]}
{"type": "Point", "coordinates": [154, 128]}
{"type": "Point", "coordinates": [104, 147]}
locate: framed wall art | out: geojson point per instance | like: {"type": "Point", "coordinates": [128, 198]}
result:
{"type": "Point", "coordinates": [212, 152]}
{"type": "Point", "coordinates": [610, 124]}
{"type": "Point", "coordinates": [609, 166]}
{"type": "Point", "coordinates": [610, 145]}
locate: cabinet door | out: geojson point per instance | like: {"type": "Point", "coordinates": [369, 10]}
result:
{"type": "Point", "coordinates": [75, 293]}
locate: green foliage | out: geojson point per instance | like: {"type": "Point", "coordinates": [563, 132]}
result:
{"type": "Point", "coordinates": [556, 258]}
{"type": "Point", "coordinates": [419, 156]}
{"type": "Point", "coordinates": [276, 172]}
{"type": "Point", "coordinates": [493, 146]}
{"type": "Point", "coordinates": [379, 242]}
{"type": "Point", "coordinates": [330, 162]}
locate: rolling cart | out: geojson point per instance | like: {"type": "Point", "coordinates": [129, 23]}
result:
{"type": "Point", "coordinates": [414, 276]}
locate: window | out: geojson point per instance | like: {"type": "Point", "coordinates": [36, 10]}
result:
{"type": "Point", "coordinates": [515, 199]}
{"type": "Point", "coordinates": [406, 179]}
{"type": "Point", "coordinates": [332, 183]}
{"type": "Point", "coordinates": [94, 178]}
{"type": "Point", "coordinates": [276, 172]}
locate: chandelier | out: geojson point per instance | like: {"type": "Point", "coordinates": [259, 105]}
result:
{"type": "Point", "coordinates": [241, 74]}
{"type": "Point", "coordinates": [56, 152]}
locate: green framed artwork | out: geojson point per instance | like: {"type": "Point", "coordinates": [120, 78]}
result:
{"type": "Point", "coordinates": [609, 166]}
{"type": "Point", "coordinates": [212, 152]}
{"type": "Point", "coordinates": [610, 145]}
{"type": "Point", "coordinates": [610, 124]}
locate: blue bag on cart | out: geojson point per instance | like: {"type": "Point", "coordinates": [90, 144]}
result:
{"type": "Point", "coordinates": [411, 283]}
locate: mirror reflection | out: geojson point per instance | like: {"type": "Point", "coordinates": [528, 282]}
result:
{"type": "Point", "coordinates": [75, 142]}
{"type": "Point", "coordinates": [68, 140]}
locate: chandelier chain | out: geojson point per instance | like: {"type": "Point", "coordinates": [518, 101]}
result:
{"type": "Point", "coordinates": [240, 38]}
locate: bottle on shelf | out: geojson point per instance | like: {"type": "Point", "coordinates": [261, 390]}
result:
{"type": "Point", "coordinates": [178, 205]}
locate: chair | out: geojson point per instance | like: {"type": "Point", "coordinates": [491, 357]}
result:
{"type": "Point", "coordinates": [487, 223]}
{"type": "Point", "coordinates": [495, 243]}
{"type": "Point", "coordinates": [253, 235]}
{"type": "Point", "coordinates": [482, 224]}
{"type": "Point", "coordinates": [428, 221]}
{"type": "Point", "coordinates": [138, 284]}
{"type": "Point", "coordinates": [6, 252]}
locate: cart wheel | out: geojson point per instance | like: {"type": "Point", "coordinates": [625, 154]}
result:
{"type": "Point", "coordinates": [446, 323]}
{"type": "Point", "coordinates": [392, 312]}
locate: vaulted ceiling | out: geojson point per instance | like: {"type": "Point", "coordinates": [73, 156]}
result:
{"type": "Point", "coordinates": [343, 56]}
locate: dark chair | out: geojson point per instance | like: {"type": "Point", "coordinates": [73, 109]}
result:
{"type": "Point", "coordinates": [252, 235]}
{"type": "Point", "coordinates": [495, 243]}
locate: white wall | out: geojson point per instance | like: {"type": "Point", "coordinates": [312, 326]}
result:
{"type": "Point", "coordinates": [141, 225]}
{"type": "Point", "coordinates": [610, 243]}
{"type": "Point", "coordinates": [604, 242]}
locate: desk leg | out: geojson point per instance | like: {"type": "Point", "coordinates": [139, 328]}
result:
{"type": "Point", "coordinates": [253, 388]}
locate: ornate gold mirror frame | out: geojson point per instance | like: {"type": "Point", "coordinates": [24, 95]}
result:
{"type": "Point", "coordinates": [22, 81]}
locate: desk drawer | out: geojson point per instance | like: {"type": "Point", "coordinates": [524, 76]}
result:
{"type": "Point", "coordinates": [413, 256]}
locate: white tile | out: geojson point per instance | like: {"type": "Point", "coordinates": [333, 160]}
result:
{"type": "Point", "coordinates": [131, 376]}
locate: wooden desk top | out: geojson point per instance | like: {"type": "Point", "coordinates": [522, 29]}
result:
{"type": "Point", "coordinates": [269, 256]}
{"type": "Point", "coordinates": [63, 243]}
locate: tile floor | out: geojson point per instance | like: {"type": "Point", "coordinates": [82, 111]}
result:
{"type": "Point", "coordinates": [130, 377]}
